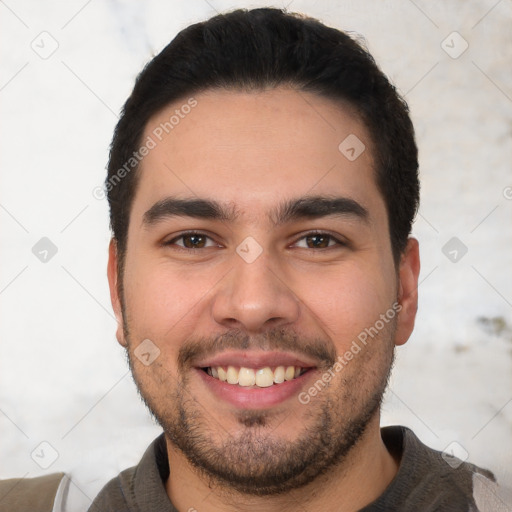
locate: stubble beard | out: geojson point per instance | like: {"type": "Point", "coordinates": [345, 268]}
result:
{"type": "Point", "coordinates": [254, 461]}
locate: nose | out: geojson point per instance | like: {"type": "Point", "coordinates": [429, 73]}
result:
{"type": "Point", "coordinates": [255, 297]}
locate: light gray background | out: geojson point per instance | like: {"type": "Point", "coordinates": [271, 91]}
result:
{"type": "Point", "coordinates": [63, 376]}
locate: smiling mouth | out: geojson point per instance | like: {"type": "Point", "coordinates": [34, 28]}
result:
{"type": "Point", "coordinates": [255, 377]}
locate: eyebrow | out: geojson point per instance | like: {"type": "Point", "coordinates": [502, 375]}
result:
{"type": "Point", "coordinates": [315, 207]}
{"type": "Point", "coordinates": [196, 208]}
{"type": "Point", "coordinates": [308, 207]}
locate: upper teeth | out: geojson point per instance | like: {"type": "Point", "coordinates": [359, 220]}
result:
{"type": "Point", "coordinates": [261, 377]}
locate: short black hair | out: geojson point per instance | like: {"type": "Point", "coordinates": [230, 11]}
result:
{"type": "Point", "coordinates": [257, 49]}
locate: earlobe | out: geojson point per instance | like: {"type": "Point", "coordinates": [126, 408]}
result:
{"type": "Point", "coordinates": [112, 273]}
{"type": "Point", "coordinates": [408, 290]}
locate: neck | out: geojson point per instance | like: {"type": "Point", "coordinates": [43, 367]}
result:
{"type": "Point", "coordinates": [354, 483]}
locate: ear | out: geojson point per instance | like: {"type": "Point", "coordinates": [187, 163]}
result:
{"type": "Point", "coordinates": [112, 273]}
{"type": "Point", "coordinates": [408, 290]}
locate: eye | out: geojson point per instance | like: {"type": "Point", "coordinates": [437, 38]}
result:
{"type": "Point", "coordinates": [192, 240]}
{"type": "Point", "coordinates": [318, 240]}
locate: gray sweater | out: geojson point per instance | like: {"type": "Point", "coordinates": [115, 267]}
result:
{"type": "Point", "coordinates": [426, 481]}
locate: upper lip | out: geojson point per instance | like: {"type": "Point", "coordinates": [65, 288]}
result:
{"type": "Point", "coordinates": [256, 359]}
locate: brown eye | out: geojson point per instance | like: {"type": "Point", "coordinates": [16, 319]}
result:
{"type": "Point", "coordinates": [318, 241]}
{"type": "Point", "coordinates": [194, 241]}
{"type": "Point", "coordinates": [191, 241]}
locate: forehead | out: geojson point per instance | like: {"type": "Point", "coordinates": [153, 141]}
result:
{"type": "Point", "coordinates": [252, 149]}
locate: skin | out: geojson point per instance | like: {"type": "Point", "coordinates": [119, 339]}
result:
{"type": "Point", "coordinates": [252, 151]}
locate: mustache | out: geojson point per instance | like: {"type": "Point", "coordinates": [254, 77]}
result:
{"type": "Point", "coordinates": [277, 339]}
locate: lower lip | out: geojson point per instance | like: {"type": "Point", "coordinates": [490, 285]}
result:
{"type": "Point", "coordinates": [255, 398]}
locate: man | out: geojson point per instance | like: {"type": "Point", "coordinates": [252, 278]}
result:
{"type": "Point", "coordinates": [262, 185]}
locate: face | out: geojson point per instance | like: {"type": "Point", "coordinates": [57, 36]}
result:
{"type": "Point", "coordinates": [258, 258]}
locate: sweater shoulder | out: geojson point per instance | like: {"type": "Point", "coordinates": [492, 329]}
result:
{"type": "Point", "coordinates": [116, 494]}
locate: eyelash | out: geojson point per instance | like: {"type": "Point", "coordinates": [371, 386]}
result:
{"type": "Point", "coordinates": [338, 243]}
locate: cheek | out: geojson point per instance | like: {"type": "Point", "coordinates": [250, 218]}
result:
{"type": "Point", "coordinates": [163, 303]}
{"type": "Point", "coordinates": [348, 301]}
